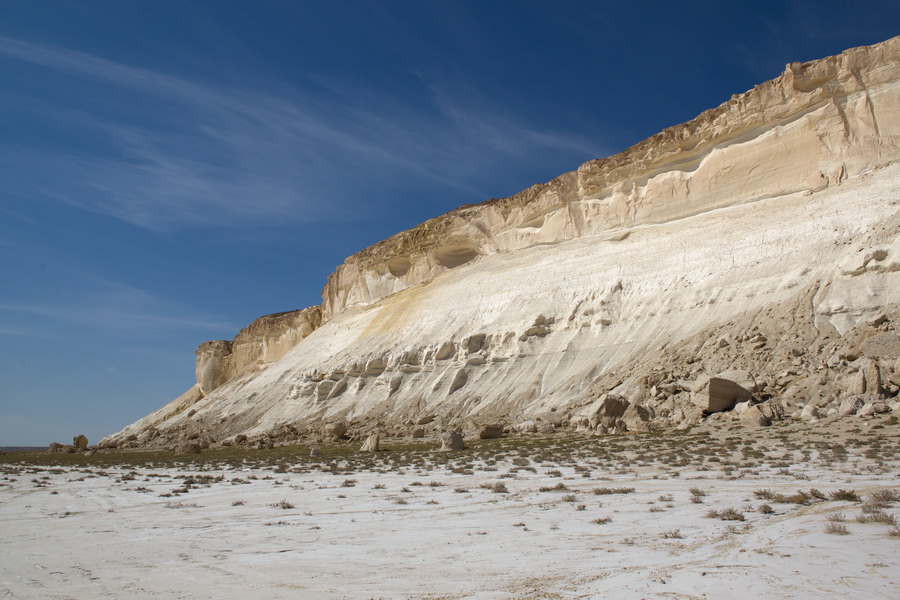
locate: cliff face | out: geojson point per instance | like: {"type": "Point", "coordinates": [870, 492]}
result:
{"type": "Point", "coordinates": [773, 216]}
{"type": "Point", "coordinates": [815, 125]}
{"type": "Point", "coordinates": [264, 341]}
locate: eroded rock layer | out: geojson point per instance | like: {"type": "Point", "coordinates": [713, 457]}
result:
{"type": "Point", "coordinates": [755, 241]}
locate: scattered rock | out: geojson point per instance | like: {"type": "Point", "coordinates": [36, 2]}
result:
{"type": "Point", "coordinates": [609, 408]}
{"type": "Point", "coordinates": [717, 394]}
{"type": "Point", "coordinates": [755, 417]}
{"type": "Point", "coordinates": [371, 443]}
{"type": "Point", "coordinates": [452, 440]}
{"type": "Point", "coordinates": [490, 432]}
{"type": "Point", "coordinates": [636, 418]}
{"type": "Point", "coordinates": [334, 432]}
{"type": "Point", "coordinates": [882, 345]}
{"type": "Point", "coordinates": [544, 427]}
{"type": "Point", "coordinates": [740, 407]}
{"type": "Point", "coordinates": [810, 411]}
{"type": "Point", "coordinates": [873, 408]}
{"type": "Point", "coordinates": [188, 448]}
{"type": "Point", "coordinates": [418, 432]}
{"type": "Point", "coordinates": [850, 406]}
{"type": "Point", "coordinates": [55, 447]}
{"type": "Point", "coordinates": [525, 427]}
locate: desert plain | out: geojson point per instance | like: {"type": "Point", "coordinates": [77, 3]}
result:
{"type": "Point", "coordinates": [796, 510]}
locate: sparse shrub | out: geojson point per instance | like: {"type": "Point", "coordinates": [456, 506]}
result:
{"type": "Point", "coordinates": [672, 534]}
{"type": "Point", "coordinates": [569, 498]}
{"type": "Point", "coordinates": [764, 494]}
{"type": "Point", "coordinates": [378, 486]}
{"type": "Point", "coordinates": [238, 503]}
{"type": "Point", "coordinates": [284, 504]}
{"type": "Point", "coordinates": [845, 496]}
{"type": "Point", "coordinates": [876, 516]}
{"type": "Point", "coordinates": [884, 498]}
{"type": "Point", "coordinates": [180, 505]}
{"type": "Point", "coordinates": [835, 528]}
{"type": "Point", "coordinates": [602, 520]}
{"type": "Point", "coordinates": [559, 487]}
{"type": "Point", "coordinates": [729, 514]}
{"type": "Point", "coordinates": [497, 487]}
{"type": "Point", "coordinates": [766, 509]}
{"type": "Point", "coordinates": [604, 491]}
{"type": "Point", "coordinates": [461, 490]}
{"type": "Point", "coordinates": [349, 483]}
{"type": "Point", "coordinates": [837, 518]}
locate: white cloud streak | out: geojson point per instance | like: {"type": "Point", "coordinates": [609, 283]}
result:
{"type": "Point", "coordinates": [203, 155]}
{"type": "Point", "coordinates": [112, 309]}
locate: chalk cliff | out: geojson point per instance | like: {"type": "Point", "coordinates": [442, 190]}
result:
{"type": "Point", "coordinates": [762, 237]}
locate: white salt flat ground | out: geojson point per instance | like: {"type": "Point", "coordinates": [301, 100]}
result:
{"type": "Point", "coordinates": [67, 536]}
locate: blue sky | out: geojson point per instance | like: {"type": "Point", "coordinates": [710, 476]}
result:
{"type": "Point", "coordinates": [172, 170]}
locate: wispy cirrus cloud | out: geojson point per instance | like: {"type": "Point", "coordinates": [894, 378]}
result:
{"type": "Point", "coordinates": [107, 308]}
{"type": "Point", "coordinates": [175, 153]}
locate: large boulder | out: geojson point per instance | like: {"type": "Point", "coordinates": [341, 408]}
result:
{"type": "Point", "coordinates": [636, 418]}
{"type": "Point", "coordinates": [609, 408]}
{"type": "Point", "coordinates": [544, 426]}
{"type": "Point", "coordinates": [525, 427]}
{"type": "Point", "coordinates": [334, 432]}
{"type": "Point", "coordinates": [850, 406]}
{"type": "Point", "coordinates": [55, 447]}
{"type": "Point", "coordinates": [755, 417]}
{"type": "Point", "coordinates": [882, 345]}
{"type": "Point", "coordinates": [188, 448]}
{"type": "Point", "coordinates": [452, 440]}
{"type": "Point", "coordinates": [810, 412]}
{"type": "Point", "coordinates": [490, 432]}
{"type": "Point", "coordinates": [742, 377]}
{"type": "Point", "coordinates": [873, 408]}
{"type": "Point", "coordinates": [80, 442]}
{"type": "Point", "coordinates": [717, 394]}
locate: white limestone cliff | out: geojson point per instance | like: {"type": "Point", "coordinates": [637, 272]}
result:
{"type": "Point", "coordinates": [772, 215]}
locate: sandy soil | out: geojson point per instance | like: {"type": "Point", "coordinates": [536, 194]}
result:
{"type": "Point", "coordinates": [530, 517]}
